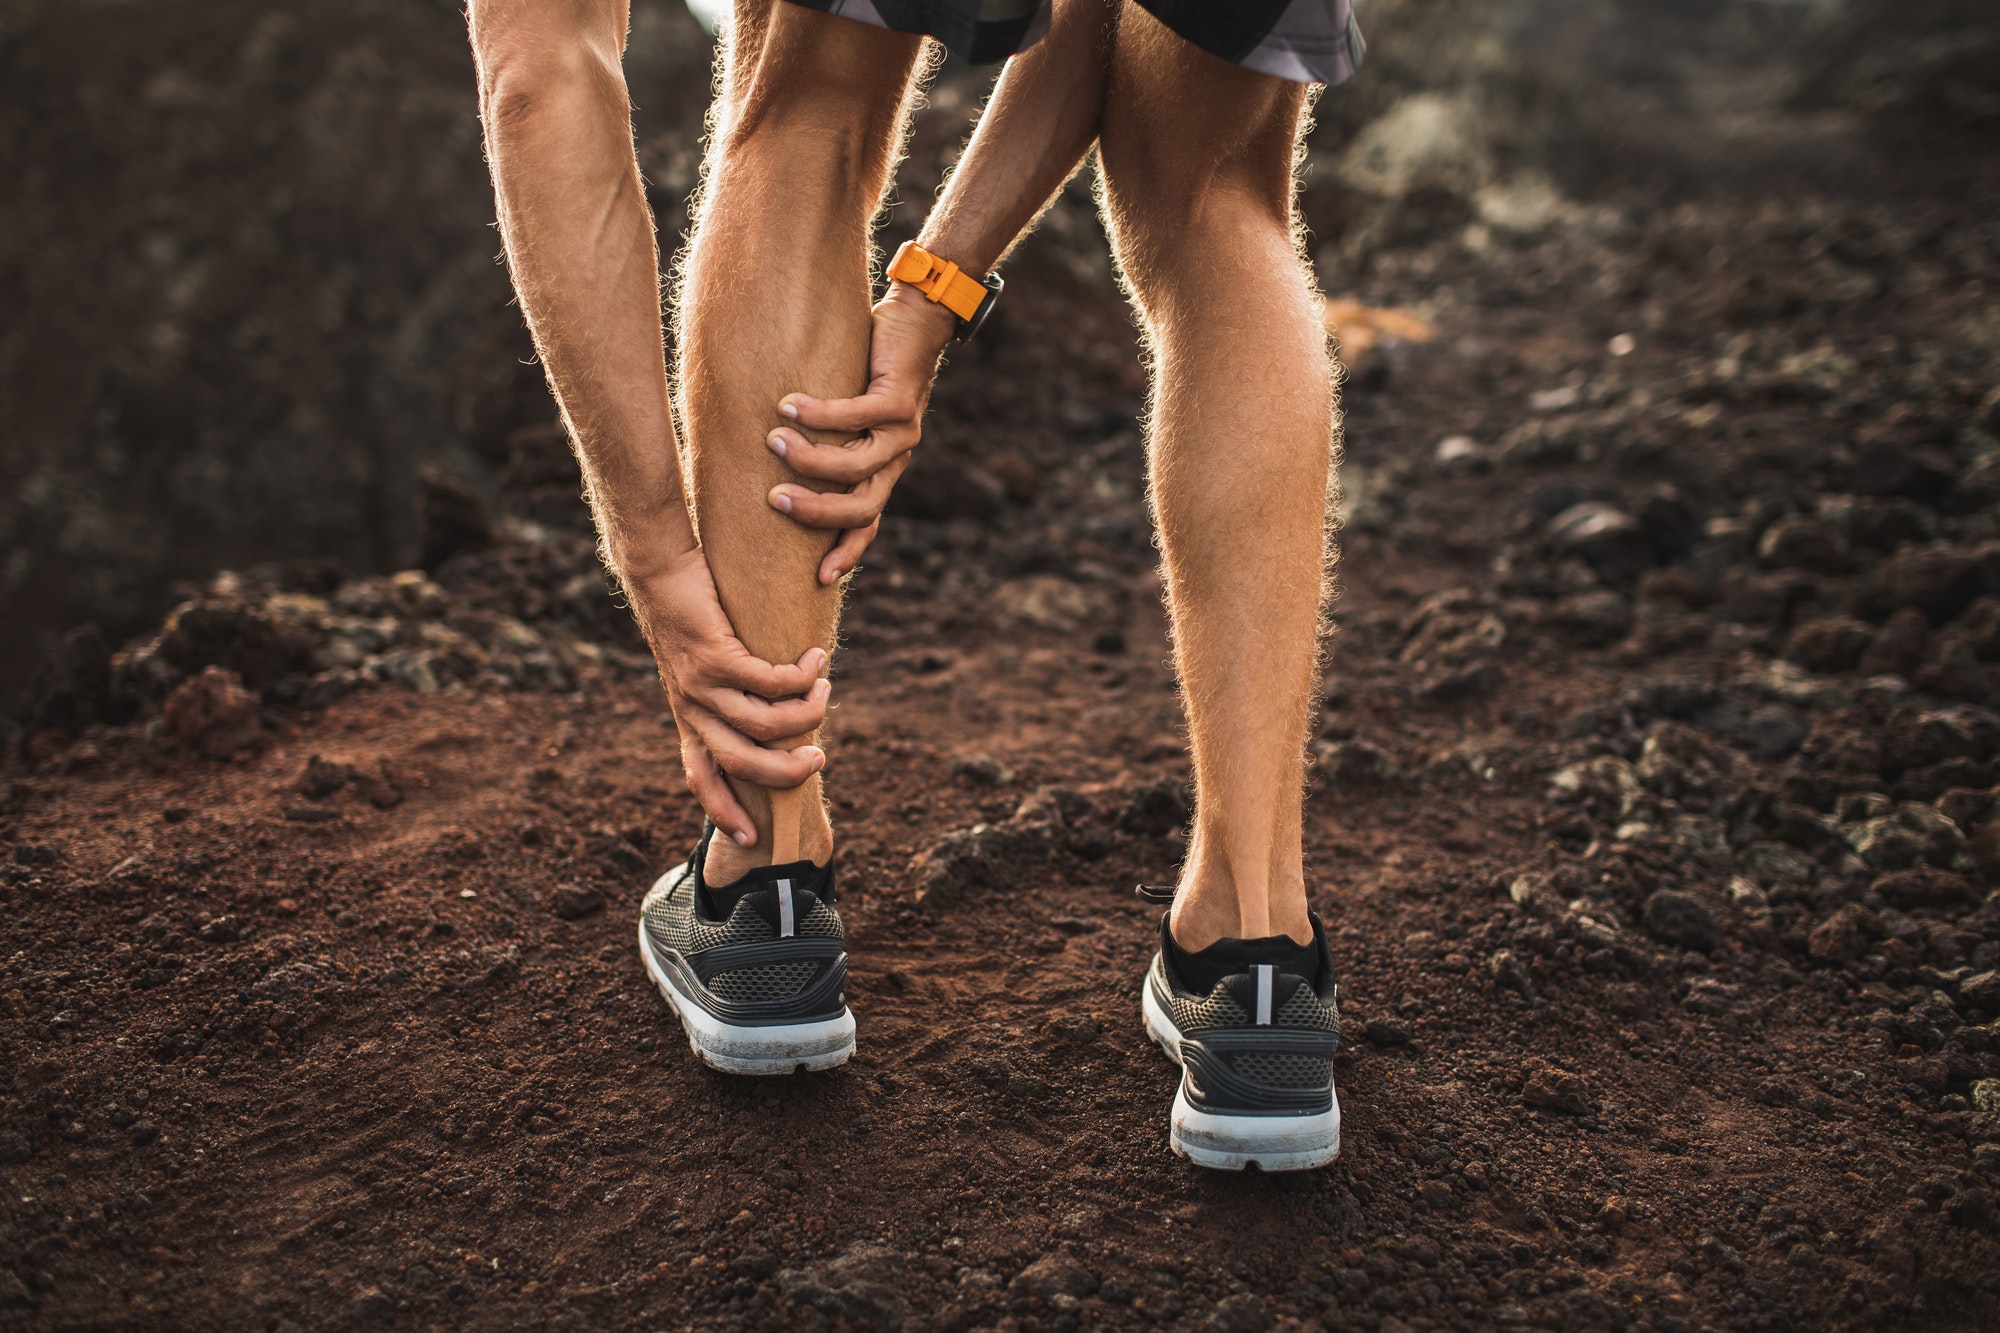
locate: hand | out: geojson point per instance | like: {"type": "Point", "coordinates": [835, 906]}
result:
{"type": "Point", "coordinates": [726, 701]}
{"type": "Point", "coordinates": [909, 333]}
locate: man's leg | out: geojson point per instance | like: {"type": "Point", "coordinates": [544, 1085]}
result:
{"type": "Point", "coordinates": [1197, 156]}
{"type": "Point", "coordinates": [774, 298]}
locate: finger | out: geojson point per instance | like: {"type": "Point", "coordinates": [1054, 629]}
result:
{"type": "Point", "coordinates": [885, 401]}
{"type": "Point", "coordinates": [733, 668]}
{"type": "Point", "coordinates": [762, 720]}
{"type": "Point", "coordinates": [843, 464]}
{"type": "Point", "coordinates": [712, 790]}
{"type": "Point", "coordinates": [845, 556]}
{"type": "Point", "coordinates": [857, 508]}
{"type": "Point", "coordinates": [746, 761]}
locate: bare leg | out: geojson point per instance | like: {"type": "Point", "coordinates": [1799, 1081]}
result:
{"type": "Point", "coordinates": [1198, 159]}
{"type": "Point", "coordinates": [774, 298]}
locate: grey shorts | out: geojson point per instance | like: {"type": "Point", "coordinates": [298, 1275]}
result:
{"type": "Point", "coordinates": [1306, 41]}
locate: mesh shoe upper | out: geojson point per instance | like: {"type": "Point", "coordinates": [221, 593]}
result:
{"type": "Point", "coordinates": [1237, 1065]}
{"type": "Point", "coordinates": [768, 947]}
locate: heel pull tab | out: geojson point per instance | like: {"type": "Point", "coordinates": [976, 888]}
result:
{"type": "Point", "coordinates": [787, 911]}
{"type": "Point", "coordinates": [1267, 980]}
{"type": "Point", "coordinates": [1157, 893]}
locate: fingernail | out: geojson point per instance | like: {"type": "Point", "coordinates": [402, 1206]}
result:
{"type": "Point", "coordinates": [777, 443]}
{"type": "Point", "coordinates": [782, 502]}
{"type": "Point", "coordinates": [741, 839]}
{"type": "Point", "coordinates": [788, 409]}
{"type": "Point", "coordinates": [819, 760]}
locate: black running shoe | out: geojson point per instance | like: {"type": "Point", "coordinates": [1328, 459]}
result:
{"type": "Point", "coordinates": [1253, 1024]}
{"type": "Point", "coordinates": [757, 970]}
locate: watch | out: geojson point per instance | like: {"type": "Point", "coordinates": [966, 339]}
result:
{"type": "Point", "coordinates": [968, 297]}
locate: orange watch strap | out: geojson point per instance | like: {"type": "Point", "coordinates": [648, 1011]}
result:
{"type": "Point", "coordinates": [941, 280]}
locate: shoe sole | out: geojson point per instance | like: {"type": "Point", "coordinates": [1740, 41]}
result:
{"type": "Point", "coordinates": [757, 1051]}
{"type": "Point", "coordinates": [1233, 1142]}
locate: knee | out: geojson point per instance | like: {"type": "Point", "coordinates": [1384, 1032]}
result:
{"type": "Point", "coordinates": [1175, 223]}
{"type": "Point", "coordinates": [830, 78]}
{"type": "Point", "coordinates": [531, 52]}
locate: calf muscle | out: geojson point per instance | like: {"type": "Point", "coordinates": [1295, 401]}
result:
{"type": "Point", "coordinates": [773, 297]}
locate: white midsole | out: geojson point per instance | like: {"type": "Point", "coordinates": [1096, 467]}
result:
{"type": "Point", "coordinates": [1231, 1142]}
{"type": "Point", "coordinates": [753, 1050]}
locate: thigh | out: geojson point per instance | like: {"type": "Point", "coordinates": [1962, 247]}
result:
{"type": "Point", "coordinates": [1179, 121]}
{"type": "Point", "coordinates": [777, 49]}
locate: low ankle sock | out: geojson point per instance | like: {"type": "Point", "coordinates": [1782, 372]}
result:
{"type": "Point", "coordinates": [1200, 969]}
{"type": "Point", "coordinates": [719, 900]}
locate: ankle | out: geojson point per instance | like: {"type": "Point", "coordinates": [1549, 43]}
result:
{"type": "Point", "coordinates": [1206, 910]}
{"type": "Point", "coordinates": [725, 862]}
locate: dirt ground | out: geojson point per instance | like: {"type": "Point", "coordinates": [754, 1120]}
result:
{"type": "Point", "coordinates": [1652, 813]}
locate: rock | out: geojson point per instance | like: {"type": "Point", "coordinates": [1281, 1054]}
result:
{"type": "Point", "coordinates": [1939, 580]}
{"type": "Point", "coordinates": [72, 685]}
{"type": "Point", "coordinates": [1965, 806]}
{"type": "Point", "coordinates": [1831, 643]}
{"type": "Point", "coordinates": [1452, 638]}
{"type": "Point", "coordinates": [1677, 762]}
{"type": "Point", "coordinates": [1605, 537]}
{"type": "Point", "coordinates": [572, 901]}
{"type": "Point", "coordinates": [754, 1262]}
{"type": "Point", "coordinates": [1157, 809]}
{"type": "Point", "coordinates": [979, 859]}
{"type": "Point", "coordinates": [1245, 1312]}
{"type": "Point", "coordinates": [1386, 1033]}
{"type": "Point", "coordinates": [1053, 1275]}
{"type": "Point", "coordinates": [1983, 849]}
{"type": "Point", "coordinates": [1063, 807]}
{"type": "Point", "coordinates": [1842, 937]}
{"type": "Point", "coordinates": [1706, 995]}
{"type": "Point", "coordinates": [1769, 731]}
{"type": "Point", "coordinates": [1681, 919]}
{"type": "Point", "coordinates": [212, 713]}
{"type": "Point", "coordinates": [1552, 1089]}
{"type": "Point", "coordinates": [1952, 669]}
{"type": "Point", "coordinates": [1460, 454]}
{"type": "Point", "coordinates": [1668, 522]}
{"type": "Point", "coordinates": [1909, 834]}
{"type": "Point", "coordinates": [1602, 782]}
{"type": "Point", "coordinates": [1981, 990]}
{"type": "Point", "coordinates": [1888, 465]}
{"type": "Point", "coordinates": [1601, 616]}
{"type": "Point", "coordinates": [143, 1132]}
{"type": "Point", "coordinates": [1923, 886]}
{"type": "Point", "coordinates": [322, 778]}
{"type": "Point", "coordinates": [1979, 627]}
{"type": "Point", "coordinates": [1426, 138]}
{"type": "Point", "coordinates": [293, 981]}
{"type": "Point", "coordinates": [260, 648]}
{"type": "Point", "coordinates": [1506, 968]}
{"type": "Point", "coordinates": [1898, 647]}
{"type": "Point", "coordinates": [1986, 1096]}
{"type": "Point", "coordinates": [1799, 542]}
{"type": "Point", "coordinates": [1355, 764]}
{"type": "Point", "coordinates": [981, 770]}
{"type": "Point", "coordinates": [454, 518]}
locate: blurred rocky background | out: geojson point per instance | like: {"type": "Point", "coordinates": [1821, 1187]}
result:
{"type": "Point", "coordinates": [251, 311]}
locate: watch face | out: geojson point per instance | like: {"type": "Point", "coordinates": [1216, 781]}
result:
{"type": "Point", "coordinates": [967, 327]}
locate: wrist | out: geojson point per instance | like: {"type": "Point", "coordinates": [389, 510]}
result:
{"type": "Point", "coordinates": [937, 324]}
